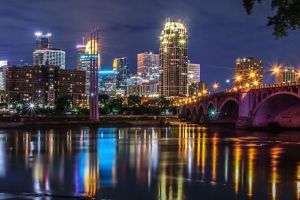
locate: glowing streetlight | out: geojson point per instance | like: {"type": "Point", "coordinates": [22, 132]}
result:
{"type": "Point", "coordinates": [276, 69]}
{"type": "Point", "coordinates": [227, 81]}
{"type": "Point", "coordinates": [216, 86]}
{"type": "Point", "coordinates": [31, 105]}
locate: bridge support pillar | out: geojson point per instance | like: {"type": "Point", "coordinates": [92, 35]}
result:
{"type": "Point", "coordinates": [245, 105]}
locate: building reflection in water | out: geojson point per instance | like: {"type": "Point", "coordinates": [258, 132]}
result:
{"type": "Point", "coordinates": [170, 163]}
{"type": "Point", "coordinates": [2, 154]}
{"type": "Point", "coordinates": [275, 154]}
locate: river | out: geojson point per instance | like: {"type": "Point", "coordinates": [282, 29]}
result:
{"type": "Point", "coordinates": [176, 162]}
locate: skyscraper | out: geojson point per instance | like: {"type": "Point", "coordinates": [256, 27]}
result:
{"type": "Point", "coordinates": [83, 61]}
{"type": "Point", "coordinates": [121, 66]}
{"type": "Point", "coordinates": [44, 54]}
{"type": "Point", "coordinates": [107, 82]}
{"type": "Point", "coordinates": [148, 65]}
{"type": "Point", "coordinates": [173, 59]}
{"type": "Point", "coordinates": [193, 73]}
{"type": "Point", "coordinates": [42, 41]}
{"type": "Point", "coordinates": [3, 65]}
{"type": "Point", "coordinates": [248, 72]}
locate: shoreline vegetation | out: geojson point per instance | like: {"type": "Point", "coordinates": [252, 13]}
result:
{"type": "Point", "coordinates": [105, 120]}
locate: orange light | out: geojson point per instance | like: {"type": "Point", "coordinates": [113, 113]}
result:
{"type": "Point", "coordinates": [238, 78]}
{"type": "Point", "coordinates": [91, 47]}
{"type": "Point", "coordinates": [276, 69]}
{"type": "Point", "coordinates": [215, 86]}
{"type": "Point", "coordinates": [252, 74]}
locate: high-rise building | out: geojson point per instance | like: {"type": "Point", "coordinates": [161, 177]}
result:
{"type": "Point", "coordinates": [3, 65]}
{"type": "Point", "coordinates": [121, 66]}
{"type": "Point", "coordinates": [193, 77]}
{"type": "Point", "coordinates": [193, 73]}
{"type": "Point", "coordinates": [173, 59]}
{"type": "Point", "coordinates": [248, 72]}
{"type": "Point", "coordinates": [287, 75]}
{"type": "Point", "coordinates": [44, 54]}
{"type": "Point", "coordinates": [43, 84]}
{"type": "Point", "coordinates": [83, 61]}
{"type": "Point", "coordinates": [55, 57]}
{"type": "Point", "coordinates": [42, 41]}
{"type": "Point", "coordinates": [108, 82]}
{"type": "Point", "coordinates": [148, 65]}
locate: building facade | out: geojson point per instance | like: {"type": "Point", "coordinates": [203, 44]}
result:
{"type": "Point", "coordinates": [84, 60]}
{"type": "Point", "coordinates": [248, 72]}
{"type": "Point", "coordinates": [173, 59]}
{"type": "Point", "coordinates": [121, 66]}
{"type": "Point", "coordinates": [44, 84]}
{"type": "Point", "coordinates": [287, 75]}
{"type": "Point", "coordinates": [55, 57]}
{"type": "Point", "coordinates": [148, 65]}
{"type": "Point", "coordinates": [108, 82]}
{"type": "Point", "coordinates": [45, 54]}
{"type": "Point", "coordinates": [3, 65]}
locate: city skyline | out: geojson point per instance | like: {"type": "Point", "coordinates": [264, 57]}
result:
{"type": "Point", "coordinates": [214, 41]}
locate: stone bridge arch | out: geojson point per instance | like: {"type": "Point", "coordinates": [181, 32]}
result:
{"type": "Point", "coordinates": [281, 107]}
{"type": "Point", "coordinates": [229, 110]}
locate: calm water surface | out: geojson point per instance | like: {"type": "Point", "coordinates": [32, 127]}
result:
{"type": "Point", "coordinates": [178, 162]}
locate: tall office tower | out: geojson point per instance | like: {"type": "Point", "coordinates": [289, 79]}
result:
{"type": "Point", "coordinates": [83, 61]}
{"type": "Point", "coordinates": [44, 54]}
{"type": "Point", "coordinates": [193, 76]}
{"type": "Point", "coordinates": [148, 65]}
{"type": "Point", "coordinates": [42, 41]}
{"type": "Point", "coordinates": [108, 82]}
{"type": "Point", "coordinates": [121, 66]}
{"type": "Point", "coordinates": [173, 59]}
{"type": "Point", "coordinates": [287, 75]}
{"type": "Point", "coordinates": [3, 65]}
{"type": "Point", "coordinates": [248, 72]}
{"type": "Point", "coordinates": [193, 73]}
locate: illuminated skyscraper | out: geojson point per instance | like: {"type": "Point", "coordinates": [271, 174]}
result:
{"type": "Point", "coordinates": [107, 82]}
{"type": "Point", "coordinates": [121, 66]}
{"type": "Point", "coordinates": [148, 65]}
{"type": "Point", "coordinates": [173, 59]}
{"type": "Point", "coordinates": [193, 73]}
{"type": "Point", "coordinates": [3, 65]}
{"type": "Point", "coordinates": [44, 54]}
{"type": "Point", "coordinates": [248, 72]}
{"type": "Point", "coordinates": [42, 41]}
{"type": "Point", "coordinates": [83, 62]}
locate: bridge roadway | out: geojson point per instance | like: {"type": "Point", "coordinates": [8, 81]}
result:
{"type": "Point", "coordinates": [256, 107]}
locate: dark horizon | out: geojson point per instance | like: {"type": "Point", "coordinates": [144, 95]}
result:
{"type": "Point", "coordinates": [219, 32]}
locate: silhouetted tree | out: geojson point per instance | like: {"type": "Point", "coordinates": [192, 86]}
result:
{"type": "Point", "coordinates": [287, 15]}
{"type": "Point", "coordinates": [62, 104]}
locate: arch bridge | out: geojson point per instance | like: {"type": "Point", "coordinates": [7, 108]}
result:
{"type": "Point", "coordinates": [256, 107]}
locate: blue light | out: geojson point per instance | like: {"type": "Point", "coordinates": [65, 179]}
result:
{"type": "Point", "coordinates": [107, 72]}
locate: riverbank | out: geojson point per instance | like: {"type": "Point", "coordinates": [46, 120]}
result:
{"type": "Point", "coordinates": [104, 121]}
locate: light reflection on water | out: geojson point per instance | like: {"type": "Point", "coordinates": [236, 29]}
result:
{"type": "Point", "coordinates": [179, 162]}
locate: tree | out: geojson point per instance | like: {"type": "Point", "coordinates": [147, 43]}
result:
{"type": "Point", "coordinates": [62, 104]}
{"type": "Point", "coordinates": [287, 15]}
{"type": "Point", "coordinates": [134, 100]}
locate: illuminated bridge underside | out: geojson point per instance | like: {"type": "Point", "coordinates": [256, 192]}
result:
{"type": "Point", "coordinates": [254, 108]}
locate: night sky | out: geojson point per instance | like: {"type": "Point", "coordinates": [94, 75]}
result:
{"type": "Point", "coordinates": [219, 31]}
